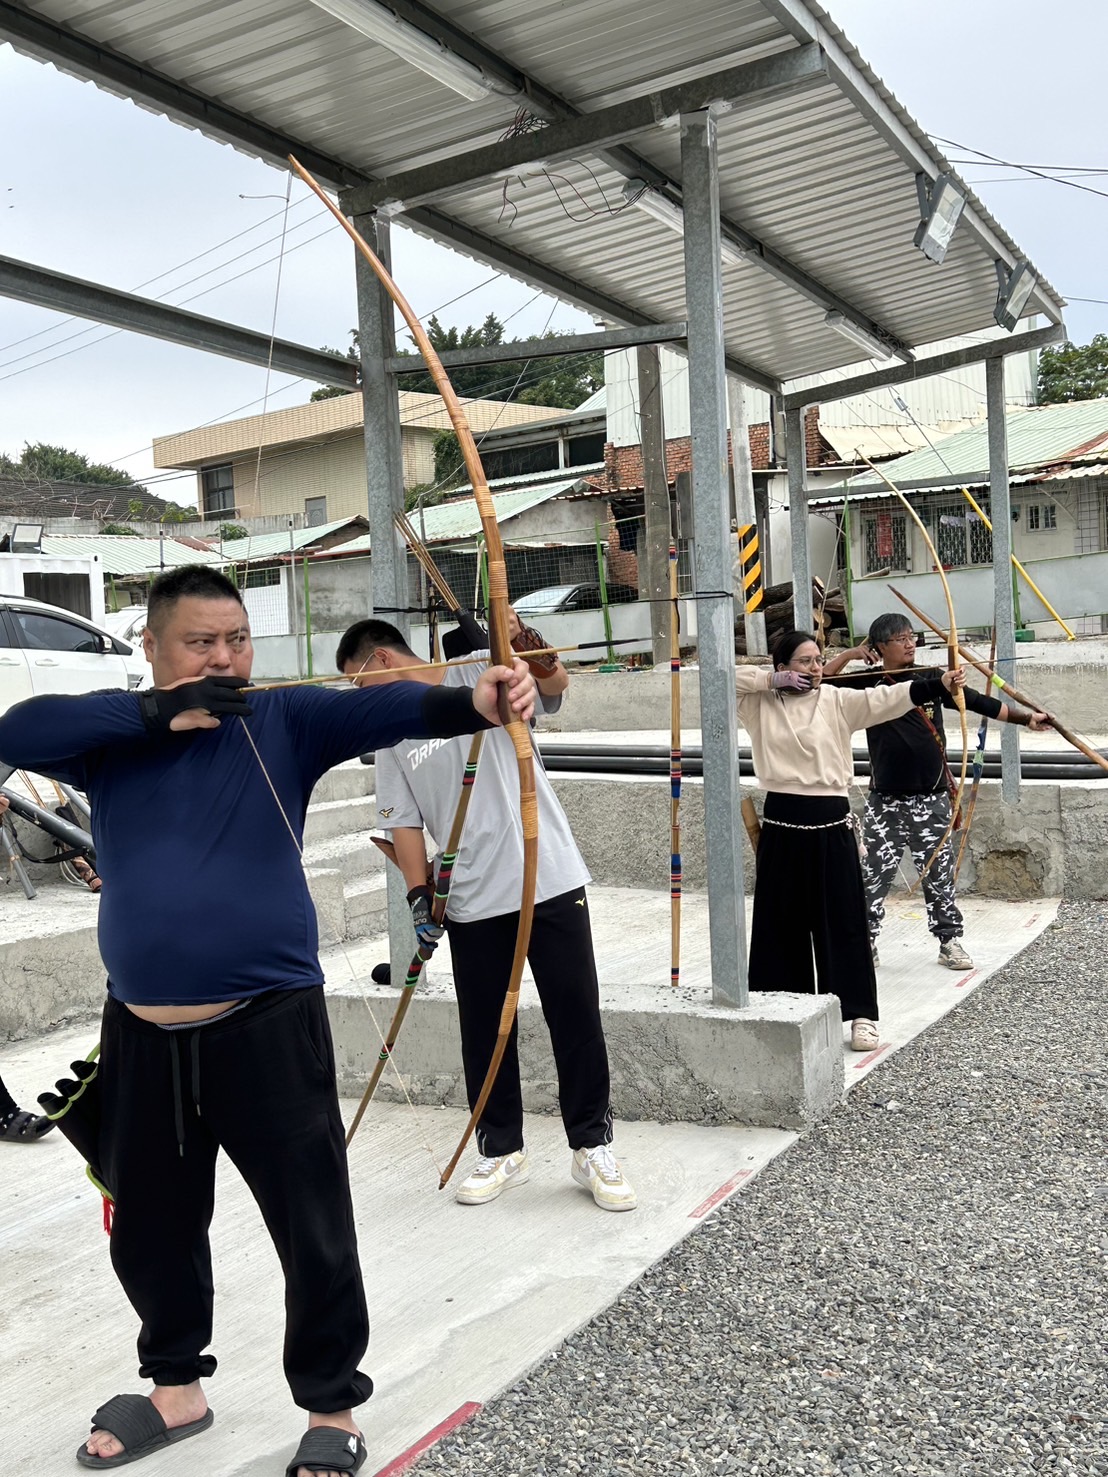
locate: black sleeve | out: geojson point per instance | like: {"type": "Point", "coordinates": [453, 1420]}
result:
{"type": "Point", "coordinates": [929, 689]}
{"type": "Point", "coordinates": [469, 636]}
{"type": "Point", "coordinates": [976, 702]}
{"type": "Point", "coordinates": [449, 711]}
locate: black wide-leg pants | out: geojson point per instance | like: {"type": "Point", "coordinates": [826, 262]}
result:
{"type": "Point", "coordinates": [809, 901]}
{"type": "Point", "coordinates": [259, 1084]}
{"type": "Point", "coordinates": [562, 962]}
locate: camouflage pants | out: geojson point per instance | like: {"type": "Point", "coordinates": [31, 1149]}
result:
{"type": "Point", "coordinates": [914, 822]}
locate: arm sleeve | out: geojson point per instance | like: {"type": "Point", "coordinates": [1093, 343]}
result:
{"type": "Point", "coordinates": [51, 735]}
{"type": "Point", "coordinates": [753, 679]}
{"type": "Point", "coordinates": [867, 707]}
{"type": "Point", "coordinates": [331, 727]}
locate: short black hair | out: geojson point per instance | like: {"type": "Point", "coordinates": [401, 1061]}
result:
{"type": "Point", "coordinates": [359, 641]}
{"type": "Point", "coordinates": [886, 626]}
{"type": "Point", "coordinates": [199, 581]}
{"type": "Point", "coordinates": [787, 645]}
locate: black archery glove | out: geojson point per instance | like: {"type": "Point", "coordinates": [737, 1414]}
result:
{"type": "Point", "coordinates": [219, 696]}
{"type": "Point", "coordinates": [427, 931]}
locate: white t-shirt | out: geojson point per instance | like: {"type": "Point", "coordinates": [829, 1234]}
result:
{"type": "Point", "coordinates": [418, 784]}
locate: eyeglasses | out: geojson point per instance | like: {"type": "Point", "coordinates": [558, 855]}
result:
{"type": "Point", "coordinates": [808, 661]}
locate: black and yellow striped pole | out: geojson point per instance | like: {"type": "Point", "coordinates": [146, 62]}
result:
{"type": "Point", "coordinates": [750, 563]}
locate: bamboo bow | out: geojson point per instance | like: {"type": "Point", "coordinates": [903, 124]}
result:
{"type": "Point", "coordinates": [499, 642]}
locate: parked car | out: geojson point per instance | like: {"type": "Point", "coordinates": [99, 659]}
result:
{"type": "Point", "coordinates": [46, 649]}
{"type": "Point", "coordinates": [560, 599]}
{"type": "Point", "coordinates": [128, 624]}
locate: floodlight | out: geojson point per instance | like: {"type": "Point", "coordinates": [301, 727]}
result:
{"type": "Point", "coordinates": [659, 207]}
{"type": "Point", "coordinates": [1013, 290]}
{"type": "Point", "coordinates": [940, 207]}
{"type": "Point", "coordinates": [27, 538]}
{"type": "Point", "coordinates": [877, 348]}
{"type": "Point", "coordinates": [417, 47]}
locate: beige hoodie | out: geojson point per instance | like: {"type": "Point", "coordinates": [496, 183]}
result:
{"type": "Point", "coordinates": [801, 740]}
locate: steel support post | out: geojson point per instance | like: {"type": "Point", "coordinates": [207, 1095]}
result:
{"type": "Point", "coordinates": [1004, 609]}
{"type": "Point", "coordinates": [659, 519]}
{"type": "Point", "coordinates": [388, 566]}
{"type": "Point", "coordinates": [712, 535]}
{"type": "Point", "coordinates": [798, 520]}
{"type": "Point", "coordinates": [745, 510]}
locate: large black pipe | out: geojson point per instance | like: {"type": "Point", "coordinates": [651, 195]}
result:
{"type": "Point", "coordinates": [63, 830]}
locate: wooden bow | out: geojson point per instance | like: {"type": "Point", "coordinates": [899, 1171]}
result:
{"type": "Point", "coordinates": [951, 659]}
{"type": "Point", "coordinates": [499, 643]}
{"type": "Point", "coordinates": [978, 771]}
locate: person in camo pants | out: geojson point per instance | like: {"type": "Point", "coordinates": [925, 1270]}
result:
{"type": "Point", "coordinates": [909, 800]}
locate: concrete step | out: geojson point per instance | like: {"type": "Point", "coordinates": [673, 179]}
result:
{"type": "Point", "coordinates": [331, 818]}
{"type": "Point", "coordinates": [366, 906]}
{"type": "Point", "coordinates": [346, 782]}
{"type": "Point", "coordinates": [354, 854]}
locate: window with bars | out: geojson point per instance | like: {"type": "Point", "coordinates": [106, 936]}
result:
{"type": "Point", "coordinates": [960, 536]}
{"type": "Point", "coordinates": [1041, 516]}
{"type": "Point", "coordinates": [218, 489]}
{"type": "Point", "coordinates": [884, 538]}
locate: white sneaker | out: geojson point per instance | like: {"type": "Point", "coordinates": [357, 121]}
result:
{"type": "Point", "coordinates": [863, 1035]}
{"type": "Point", "coordinates": [954, 956]}
{"type": "Point", "coordinates": [598, 1171]}
{"type": "Point", "coordinates": [491, 1176]}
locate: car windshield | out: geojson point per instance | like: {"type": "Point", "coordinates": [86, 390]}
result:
{"type": "Point", "coordinates": [540, 600]}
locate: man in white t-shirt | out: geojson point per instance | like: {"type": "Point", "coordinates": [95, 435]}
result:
{"type": "Point", "coordinates": [418, 785]}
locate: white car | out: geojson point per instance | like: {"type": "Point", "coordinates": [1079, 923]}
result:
{"type": "Point", "coordinates": [128, 624]}
{"type": "Point", "coordinates": [46, 649]}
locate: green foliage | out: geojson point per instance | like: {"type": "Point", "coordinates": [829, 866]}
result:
{"type": "Point", "coordinates": [120, 529]}
{"type": "Point", "coordinates": [175, 513]}
{"type": "Point", "coordinates": [229, 532]}
{"type": "Point", "coordinates": [1074, 371]}
{"type": "Point", "coordinates": [56, 464]}
{"type": "Point", "coordinates": [328, 392]}
{"type": "Point", "coordinates": [450, 468]}
{"type": "Point", "coordinates": [562, 381]}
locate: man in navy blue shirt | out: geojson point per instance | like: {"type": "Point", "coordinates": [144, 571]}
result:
{"type": "Point", "coordinates": [215, 1031]}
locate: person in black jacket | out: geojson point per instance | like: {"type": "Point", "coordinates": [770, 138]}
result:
{"type": "Point", "coordinates": [912, 788]}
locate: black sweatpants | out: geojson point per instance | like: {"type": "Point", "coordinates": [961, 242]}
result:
{"type": "Point", "coordinates": [809, 897]}
{"type": "Point", "coordinates": [562, 962]}
{"type": "Point", "coordinates": [259, 1084]}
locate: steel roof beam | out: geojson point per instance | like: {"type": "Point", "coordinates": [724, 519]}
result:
{"type": "Point", "coordinates": [785, 72]}
{"type": "Point", "coordinates": [52, 42]}
{"type": "Point", "coordinates": [82, 299]}
{"type": "Point", "coordinates": [900, 374]}
{"type": "Point", "coordinates": [799, 21]}
{"type": "Point", "coordinates": [545, 348]}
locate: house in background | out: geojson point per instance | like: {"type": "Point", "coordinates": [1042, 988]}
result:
{"type": "Point", "coordinates": [308, 462]}
{"type": "Point", "coordinates": [1058, 476]}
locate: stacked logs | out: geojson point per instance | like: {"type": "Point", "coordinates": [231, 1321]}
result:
{"type": "Point", "coordinates": [826, 616]}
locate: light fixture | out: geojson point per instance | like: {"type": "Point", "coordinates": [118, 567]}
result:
{"type": "Point", "coordinates": [874, 346]}
{"type": "Point", "coordinates": [659, 207]}
{"type": "Point", "coordinates": [419, 48]}
{"type": "Point", "coordinates": [1013, 290]}
{"type": "Point", "coordinates": [27, 538]}
{"type": "Point", "coordinates": [940, 207]}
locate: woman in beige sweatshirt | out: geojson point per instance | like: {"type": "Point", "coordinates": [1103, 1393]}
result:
{"type": "Point", "coordinates": [808, 896]}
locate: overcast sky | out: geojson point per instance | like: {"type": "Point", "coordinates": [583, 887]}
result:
{"type": "Point", "coordinates": [100, 189]}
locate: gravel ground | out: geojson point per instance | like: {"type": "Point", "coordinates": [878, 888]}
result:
{"type": "Point", "coordinates": [917, 1287]}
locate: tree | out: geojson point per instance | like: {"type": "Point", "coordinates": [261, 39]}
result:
{"type": "Point", "coordinates": [229, 532]}
{"type": "Point", "coordinates": [559, 381]}
{"type": "Point", "coordinates": [1074, 371]}
{"type": "Point", "coordinates": [56, 464]}
{"type": "Point", "coordinates": [328, 392]}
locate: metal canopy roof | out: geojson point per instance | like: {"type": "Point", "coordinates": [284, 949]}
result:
{"type": "Point", "coordinates": [817, 179]}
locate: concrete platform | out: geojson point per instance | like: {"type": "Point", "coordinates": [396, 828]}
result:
{"type": "Point", "coordinates": [464, 1299]}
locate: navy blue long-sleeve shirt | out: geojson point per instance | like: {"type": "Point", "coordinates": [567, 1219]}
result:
{"type": "Point", "coordinates": [204, 895]}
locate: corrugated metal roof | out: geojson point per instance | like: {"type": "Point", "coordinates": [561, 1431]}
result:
{"type": "Point", "coordinates": [460, 520]}
{"type": "Point", "coordinates": [270, 545]}
{"type": "Point", "coordinates": [120, 555]}
{"type": "Point", "coordinates": [1038, 437]}
{"type": "Point", "coordinates": [825, 176]}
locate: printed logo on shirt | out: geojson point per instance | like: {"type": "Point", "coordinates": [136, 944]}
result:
{"type": "Point", "coordinates": [415, 757]}
{"type": "Point", "coordinates": [387, 813]}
